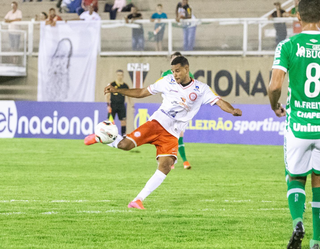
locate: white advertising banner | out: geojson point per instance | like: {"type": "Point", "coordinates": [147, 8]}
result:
{"type": "Point", "coordinates": [67, 61]}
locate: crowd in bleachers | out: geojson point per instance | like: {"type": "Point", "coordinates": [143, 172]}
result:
{"type": "Point", "coordinates": [87, 10]}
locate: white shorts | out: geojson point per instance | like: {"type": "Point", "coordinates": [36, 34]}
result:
{"type": "Point", "coordinates": [301, 156]}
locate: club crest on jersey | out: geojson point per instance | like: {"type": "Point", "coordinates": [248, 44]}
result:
{"type": "Point", "coordinates": [193, 96]}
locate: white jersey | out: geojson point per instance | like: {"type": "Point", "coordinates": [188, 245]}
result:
{"type": "Point", "coordinates": [87, 17]}
{"type": "Point", "coordinates": [180, 104]}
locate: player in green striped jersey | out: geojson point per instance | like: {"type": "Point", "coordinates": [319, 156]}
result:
{"type": "Point", "coordinates": [182, 151]}
{"type": "Point", "coordinates": [300, 57]}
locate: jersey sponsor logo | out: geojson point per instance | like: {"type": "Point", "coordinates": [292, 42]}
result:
{"type": "Point", "coordinates": [193, 96]}
{"type": "Point", "coordinates": [197, 89]}
{"type": "Point", "coordinates": [278, 49]}
{"type": "Point", "coordinates": [276, 62]}
{"type": "Point", "coordinates": [301, 52]}
{"type": "Point", "coordinates": [309, 115]}
{"type": "Point", "coordinates": [313, 52]}
{"type": "Point", "coordinates": [306, 128]}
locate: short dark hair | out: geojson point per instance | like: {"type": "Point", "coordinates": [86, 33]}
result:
{"type": "Point", "coordinates": [52, 9]}
{"type": "Point", "coordinates": [180, 60]}
{"type": "Point", "coordinates": [45, 14]}
{"type": "Point", "coordinates": [119, 71]}
{"type": "Point", "coordinates": [175, 54]}
{"type": "Point", "coordinates": [159, 5]}
{"type": "Point", "coordinates": [14, 2]}
{"type": "Point", "coordinates": [309, 10]}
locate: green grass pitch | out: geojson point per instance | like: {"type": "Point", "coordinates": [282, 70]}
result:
{"type": "Point", "coordinates": [62, 194]}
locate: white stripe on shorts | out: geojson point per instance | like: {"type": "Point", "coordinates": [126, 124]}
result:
{"type": "Point", "coordinates": [315, 204]}
{"type": "Point", "coordinates": [295, 190]}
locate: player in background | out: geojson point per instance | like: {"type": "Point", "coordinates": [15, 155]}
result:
{"type": "Point", "coordinates": [182, 151]}
{"type": "Point", "coordinates": [300, 57]}
{"type": "Point", "coordinates": [115, 101]}
{"type": "Point", "coordinates": [182, 99]}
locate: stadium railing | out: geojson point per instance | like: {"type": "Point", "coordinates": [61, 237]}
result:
{"type": "Point", "coordinates": [13, 52]}
{"type": "Point", "coordinates": [214, 36]}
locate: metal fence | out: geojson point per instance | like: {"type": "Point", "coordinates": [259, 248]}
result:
{"type": "Point", "coordinates": [13, 52]}
{"type": "Point", "coordinates": [223, 36]}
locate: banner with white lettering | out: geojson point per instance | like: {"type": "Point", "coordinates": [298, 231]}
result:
{"type": "Point", "coordinates": [28, 119]}
{"type": "Point", "coordinates": [67, 61]}
{"type": "Point", "coordinates": [257, 125]}
{"type": "Point", "coordinates": [67, 120]}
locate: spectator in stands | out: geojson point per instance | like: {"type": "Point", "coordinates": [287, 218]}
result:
{"type": "Point", "coordinates": [85, 6]}
{"type": "Point", "coordinates": [53, 18]}
{"type": "Point", "coordinates": [137, 33]}
{"type": "Point", "coordinates": [42, 17]}
{"type": "Point", "coordinates": [184, 11]}
{"type": "Point", "coordinates": [117, 7]}
{"type": "Point", "coordinates": [294, 10]}
{"type": "Point", "coordinates": [281, 28]}
{"type": "Point", "coordinates": [293, 13]}
{"type": "Point", "coordinates": [12, 17]}
{"type": "Point", "coordinates": [90, 15]}
{"type": "Point", "coordinates": [159, 27]}
{"type": "Point", "coordinates": [70, 6]}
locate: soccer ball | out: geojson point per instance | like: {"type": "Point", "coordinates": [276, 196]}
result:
{"type": "Point", "coordinates": [106, 132]}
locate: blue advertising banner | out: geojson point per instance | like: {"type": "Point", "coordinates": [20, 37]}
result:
{"type": "Point", "coordinates": [257, 125]}
{"type": "Point", "coordinates": [50, 119]}
{"type": "Point", "coordinates": [23, 119]}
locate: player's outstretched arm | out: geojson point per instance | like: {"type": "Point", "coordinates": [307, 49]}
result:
{"type": "Point", "coordinates": [133, 92]}
{"type": "Point", "coordinates": [274, 91]}
{"type": "Point", "coordinates": [225, 106]}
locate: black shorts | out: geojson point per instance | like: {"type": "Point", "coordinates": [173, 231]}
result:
{"type": "Point", "coordinates": [119, 109]}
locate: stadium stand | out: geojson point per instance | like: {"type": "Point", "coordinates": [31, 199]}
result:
{"type": "Point", "coordinates": [19, 89]}
{"type": "Point", "coordinates": [202, 8]}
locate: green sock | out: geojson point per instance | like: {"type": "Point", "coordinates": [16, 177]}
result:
{"type": "Point", "coordinates": [316, 213]}
{"type": "Point", "coordinates": [296, 198]}
{"type": "Point", "coordinates": [181, 149]}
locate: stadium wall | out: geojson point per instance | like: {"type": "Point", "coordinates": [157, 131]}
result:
{"type": "Point", "coordinates": [239, 80]}
{"type": "Point", "coordinates": [242, 80]}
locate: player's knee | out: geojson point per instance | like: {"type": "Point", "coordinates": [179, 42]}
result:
{"type": "Point", "coordinates": [165, 164]}
{"type": "Point", "coordinates": [125, 144]}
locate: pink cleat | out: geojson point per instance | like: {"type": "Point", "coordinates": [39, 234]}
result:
{"type": "Point", "coordinates": [136, 204]}
{"type": "Point", "coordinates": [172, 167]}
{"type": "Point", "coordinates": [90, 139]}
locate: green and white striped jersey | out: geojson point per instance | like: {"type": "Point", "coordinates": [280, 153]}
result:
{"type": "Point", "coordinates": [300, 57]}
